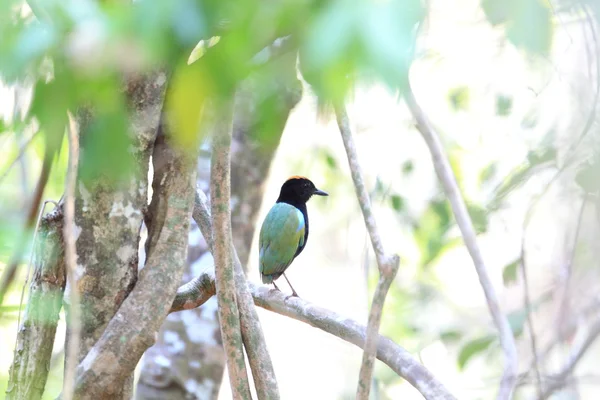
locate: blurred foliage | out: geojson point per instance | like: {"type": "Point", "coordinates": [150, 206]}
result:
{"type": "Point", "coordinates": [527, 23]}
{"type": "Point", "coordinates": [472, 348]}
{"type": "Point", "coordinates": [588, 176]}
{"type": "Point", "coordinates": [503, 105]}
{"type": "Point", "coordinates": [459, 98]}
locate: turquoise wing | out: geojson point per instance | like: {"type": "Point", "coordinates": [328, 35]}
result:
{"type": "Point", "coordinates": [281, 234]}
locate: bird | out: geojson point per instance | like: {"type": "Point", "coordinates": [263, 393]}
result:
{"type": "Point", "coordinates": [284, 231]}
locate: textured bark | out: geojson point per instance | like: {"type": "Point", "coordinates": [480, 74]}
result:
{"type": "Point", "coordinates": [31, 363]}
{"type": "Point", "coordinates": [220, 193]}
{"type": "Point", "coordinates": [188, 360]}
{"type": "Point", "coordinates": [109, 363]}
{"type": "Point", "coordinates": [109, 218]}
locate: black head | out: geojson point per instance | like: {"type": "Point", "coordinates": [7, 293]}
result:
{"type": "Point", "coordinates": [298, 190]}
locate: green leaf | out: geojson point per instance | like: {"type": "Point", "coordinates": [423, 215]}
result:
{"type": "Point", "coordinates": [509, 273]}
{"type": "Point", "coordinates": [479, 216]}
{"type": "Point", "coordinates": [397, 202]}
{"type": "Point", "coordinates": [541, 159]}
{"type": "Point", "coordinates": [451, 336]}
{"type": "Point", "coordinates": [588, 178]}
{"type": "Point", "coordinates": [472, 348]}
{"type": "Point", "coordinates": [408, 167]}
{"type": "Point", "coordinates": [487, 174]}
{"type": "Point", "coordinates": [530, 26]}
{"type": "Point", "coordinates": [185, 99]}
{"type": "Point", "coordinates": [330, 160]}
{"type": "Point", "coordinates": [503, 105]}
{"type": "Point", "coordinates": [459, 98]}
{"type": "Point", "coordinates": [528, 23]}
{"type": "Point", "coordinates": [516, 320]}
{"type": "Point", "coordinates": [431, 229]}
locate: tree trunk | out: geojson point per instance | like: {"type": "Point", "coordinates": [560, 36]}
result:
{"type": "Point", "coordinates": [110, 216]}
{"type": "Point", "coordinates": [188, 360]}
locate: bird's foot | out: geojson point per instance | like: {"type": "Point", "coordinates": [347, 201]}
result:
{"type": "Point", "coordinates": [291, 295]}
{"type": "Point", "coordinates": [275, 287]}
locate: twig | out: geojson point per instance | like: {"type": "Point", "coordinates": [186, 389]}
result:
{"type": "Point", "coordinates": [446, 176]}
{"type": "Point", "coordinates": [252, 334]}
{"type": "Point", "coordinates": [71, 263]}
{"type": "Point", "coordinates": [394, 356]}
{"type": "Point", "coordinates": [529, 318]}
{"type": "Point", "coordinates": [229, 316]}
{"type": "Point", "coordinates": [569, 266]}
{"type": "Point", "coordinates": [528, 311]}
{"type": "Point", "coordinates": [558, 380]}
{"type": "Point", "coordinates": [388, 266]}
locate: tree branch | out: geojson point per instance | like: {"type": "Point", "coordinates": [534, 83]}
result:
{"type": "Point", "coordinates": [35, 339]}
{"type": "Point", "coordinates": [446, 176]}
{"type": "Point", "coordinates": [201, 288]}
{"type": "Point", "coordinates": [229, 316]}
{"type": "Point", "coordinates": [252, 334]}
{"type": "Point", "coordinates": [74, 327]}
{"type": "Point", "coordinates": [263, 372]}
{"type": "Point", "coordinates": [559, 380]}
{"type": "Point", "coordinates": [388, 266]}
{"type": "Point", "coordinates": [399, 360]}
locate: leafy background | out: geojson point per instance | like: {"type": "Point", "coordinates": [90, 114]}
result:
{"type": "Point", "coordinates": [510, 86]}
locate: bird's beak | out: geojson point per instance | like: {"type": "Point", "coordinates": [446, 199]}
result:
{"type": "Point", "coordinates": [320, 193]}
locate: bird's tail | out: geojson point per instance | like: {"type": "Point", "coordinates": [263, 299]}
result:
{"type": "Point", "coordinates": [266, 278]}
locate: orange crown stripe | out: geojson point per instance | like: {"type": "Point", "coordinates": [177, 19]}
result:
{"type": "Point", "coordinates": [296, 177]}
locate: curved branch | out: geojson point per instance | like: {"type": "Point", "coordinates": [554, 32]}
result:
{"type": "Point", "coordinates": [388, 265]}
{"type": "Point", "coordinates": [448, 180]}
{"type": "Point", "coordinates": [560, 379]}
{"type": "Point", "coordinates": [398, 359]}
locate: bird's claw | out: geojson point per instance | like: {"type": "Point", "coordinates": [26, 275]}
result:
{"type": "Point", "coordinates": [291, 295]}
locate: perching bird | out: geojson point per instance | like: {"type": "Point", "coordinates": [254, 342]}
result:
{"type": "Point", "coordinates": [284, 231]}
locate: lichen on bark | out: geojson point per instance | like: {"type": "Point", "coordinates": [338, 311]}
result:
{"type": "Point", "coordinates": [35, 339]}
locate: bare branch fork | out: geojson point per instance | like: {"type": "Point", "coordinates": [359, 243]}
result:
{"type": "Point", "coordinates": [448, 180]}
{"type": "Point", "coordinates": [388, 265]}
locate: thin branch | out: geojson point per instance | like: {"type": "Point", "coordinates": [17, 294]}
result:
{"type": "Point", "coordinates": [394, 356]}
{"type": "Point", "coordinates": [448, 180]}
{"type": "Point", "coordinates": [559, 380]}
{"type": "Point", "coordinates": [23, 147]}
{"type": "Point", "coordinates": [529, 318]}
{"type": "Point", "coordinates": [71, 263]}
{"type": "Point", "coordinates": [252, 334]}
{"type": "Point", "coordinates": [388, 265]}
{"type": "Point", "coordinates": [229, 316]}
